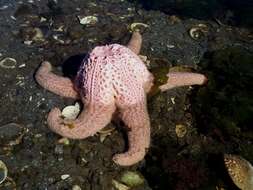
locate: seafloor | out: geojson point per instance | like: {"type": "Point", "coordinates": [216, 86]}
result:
{"type": "Point", "coordinates": [210, 120]}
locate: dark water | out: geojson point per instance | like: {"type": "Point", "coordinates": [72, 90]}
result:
{"type": "Point", "coordinates": [234, 12]}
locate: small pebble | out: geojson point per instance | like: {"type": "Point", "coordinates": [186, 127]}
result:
{"type": "Point", "coordinates": [173, 100]}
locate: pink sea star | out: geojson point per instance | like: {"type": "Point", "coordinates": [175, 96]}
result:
{"type": "Point", "coordinates": [111, 77]}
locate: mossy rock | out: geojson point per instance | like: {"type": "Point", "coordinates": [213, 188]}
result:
{"type": "Point", "coordinates": [226, 102]}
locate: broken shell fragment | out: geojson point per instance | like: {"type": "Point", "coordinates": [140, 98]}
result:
{"type": "Point", "coordinates": [43, 19]}
{"type": "Point", "coordinates": [87, 20]}
{"type": "Point", "coordinates": [240, 171]}
{"type": "Point", "coordinates": [65, 176]}
{"type": "Point", "coordinates": [28, 42]}
{"type": "Point", "coordinates": [71, 112]}
{"type": "Point", "coordinates": [3, 171]}
{"type": "Point", "coordinates": [8, 63]}
{"type": "Point", "coordinates": [57, 38]}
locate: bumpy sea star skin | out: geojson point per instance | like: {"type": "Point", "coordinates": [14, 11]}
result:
{"type": "Point", "coordinates": [135, 43]}
{"type": "Point", "coordinates": [59, 85]}
{"type": "Point", "coordinates": [111, 77]}
{"type": "Point", "coordinates": [177, 79]}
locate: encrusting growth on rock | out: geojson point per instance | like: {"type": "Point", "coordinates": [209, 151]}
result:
{"type": "Point", "coordinates": [111, 77]}
{"type": "Point", "coordinates": [240, 171]}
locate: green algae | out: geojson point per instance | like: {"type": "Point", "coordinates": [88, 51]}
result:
{"type": "Point", "coordinates": [160, 74]}
{"type": "Point", "coordinates": [160, 78]}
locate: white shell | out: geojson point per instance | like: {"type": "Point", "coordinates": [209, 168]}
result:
{"type": "Point", "coordinates": [71, 112]}
{"type": "Point", "coordinates": [65, 176]}
{"type": "Point", "coordinates": [88, 20]}
{"type": "Point", "coordinates": [28, 42]}
{"type": "Point", "coordinates": [3, 171]}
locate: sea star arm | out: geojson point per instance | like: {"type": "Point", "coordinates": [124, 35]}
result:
{"type": "Point", "coordinates": [90, 121]}
{"type": "Point", "coordinates": [177, 79]}
{"type": "Point", "coordinates": [137, 120]}
{"type": "Point", "coordinates": [135, 42]}
{"type": "Point", "coordinates": [59, 85]}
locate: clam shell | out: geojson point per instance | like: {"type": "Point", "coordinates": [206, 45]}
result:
{"type": "Point", "coordinates": [71, 112]}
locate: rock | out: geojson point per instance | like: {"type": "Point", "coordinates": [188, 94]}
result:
{"type": "Point", "coordinates": [10, 132]}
